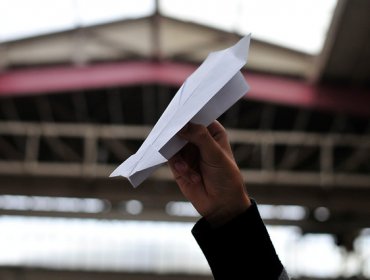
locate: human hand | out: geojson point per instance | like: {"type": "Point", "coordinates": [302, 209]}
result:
{"type": "Point", "coordinates": [207, 174]}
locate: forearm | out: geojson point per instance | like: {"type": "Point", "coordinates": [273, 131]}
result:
{"type": "Point", "coordinates": [240, 249]}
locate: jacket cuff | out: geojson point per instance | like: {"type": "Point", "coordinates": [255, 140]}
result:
{"type": "Point", "coordinates": [240, 247]}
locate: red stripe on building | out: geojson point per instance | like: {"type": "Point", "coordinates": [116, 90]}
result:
{"type": "Point", "coordinates": [265, 88]}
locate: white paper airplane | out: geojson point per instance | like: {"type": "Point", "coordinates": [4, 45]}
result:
{"type": "Point", "coordinates": [205, 95]}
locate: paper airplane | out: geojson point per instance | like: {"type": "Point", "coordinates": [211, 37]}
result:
{"type": "Point", "coordinates": [205, 95]}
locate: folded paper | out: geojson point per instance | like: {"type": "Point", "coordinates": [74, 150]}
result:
{"type": "Point", "coordinates": [205, 95]}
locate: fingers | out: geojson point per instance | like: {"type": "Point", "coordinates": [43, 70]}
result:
{"type": "Point", "coordinates": [189, 181]}
{"type": "Point", "coordinates": [212, 142]}
{"type": "Point", "coordinates": [218, 133]}
{"type": "Point", "coordinates": [183, 173]}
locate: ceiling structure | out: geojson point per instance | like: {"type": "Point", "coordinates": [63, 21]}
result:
{"type": "Point", "coordinates": [74, 104]}
{"type": "Point", "coordinates": [157, 37]}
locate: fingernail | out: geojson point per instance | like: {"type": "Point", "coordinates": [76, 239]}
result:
{"type": "Point", "coordinates": [180, 166]}
{"type": "Point", "coordinates": [195, 178]}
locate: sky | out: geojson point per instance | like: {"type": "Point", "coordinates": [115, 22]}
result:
{"type": "Point", "coordinates": [300, 25]}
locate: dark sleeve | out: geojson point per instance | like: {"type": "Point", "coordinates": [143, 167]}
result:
{"type": "Point", "coordinates": [240, 249]}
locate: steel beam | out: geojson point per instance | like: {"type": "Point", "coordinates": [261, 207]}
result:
{"type": "Point", "coordinates": [34, 273]}
{"type": "Point", "coordinates": [345, 198]}
{"type": "Point", "coordinates": [264, 88]}
{"type": "Point", "coordinates": [268, 173]}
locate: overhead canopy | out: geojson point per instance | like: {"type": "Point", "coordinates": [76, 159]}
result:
{"type": "Point", "coordinates": [164, 33]}
{"type": "Point", "coordinates": [161, 38]}
{"type": "Point", "coordinates": [155, 37]}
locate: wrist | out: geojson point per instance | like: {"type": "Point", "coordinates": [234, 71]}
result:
{"type": "Point", "coordinates": [225, 214]}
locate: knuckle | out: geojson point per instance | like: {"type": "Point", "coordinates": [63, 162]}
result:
{"type": "Point", "coordinates": [200, 132]}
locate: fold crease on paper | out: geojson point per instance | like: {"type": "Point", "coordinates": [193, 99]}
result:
{"type": "Point", "coordinates": [206, 94]}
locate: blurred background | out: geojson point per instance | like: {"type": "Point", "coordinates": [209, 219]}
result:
{"type": "Point", "coordinates": [82, 82]}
